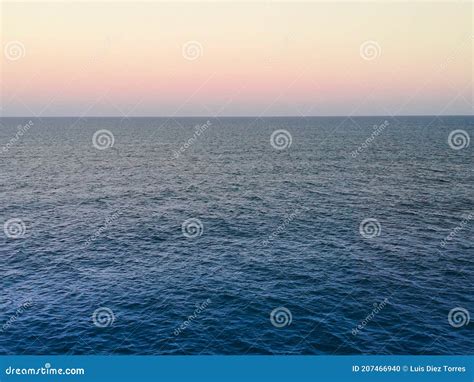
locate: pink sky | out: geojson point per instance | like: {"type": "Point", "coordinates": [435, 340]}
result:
{"type": "Point", "coordinates": [162, 59]}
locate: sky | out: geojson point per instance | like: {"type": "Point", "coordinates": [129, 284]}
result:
{"type": "Point", "coordinates": [236, 58]}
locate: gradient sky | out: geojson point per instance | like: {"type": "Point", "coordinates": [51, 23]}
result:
{"type": "Point", "coordinates": [126, 58]}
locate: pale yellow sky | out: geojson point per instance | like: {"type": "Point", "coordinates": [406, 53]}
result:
{"type": "Point", "coordinates": [236, 58]}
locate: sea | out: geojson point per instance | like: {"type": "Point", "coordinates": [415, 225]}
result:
{"type": "Point", "coordinates": [233, 236]}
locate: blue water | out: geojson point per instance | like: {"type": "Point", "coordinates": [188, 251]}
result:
{"type": "Point", "coordinates": [280, 229]}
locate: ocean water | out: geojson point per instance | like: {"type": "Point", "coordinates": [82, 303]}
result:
{"type": "Point", "coordinates": [277, 230]}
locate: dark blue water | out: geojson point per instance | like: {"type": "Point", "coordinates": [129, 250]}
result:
{"type": "Point", "coordinates": [280, 229]}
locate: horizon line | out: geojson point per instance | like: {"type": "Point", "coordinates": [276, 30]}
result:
{"type": "Point", "coordinates": [239, 116]}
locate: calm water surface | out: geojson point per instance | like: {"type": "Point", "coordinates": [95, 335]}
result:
{"type": "Point", "coordinates": [280, 229]}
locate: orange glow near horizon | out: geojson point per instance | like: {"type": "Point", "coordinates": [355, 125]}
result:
{"type": "Point", "coordinates": [243, 58]}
